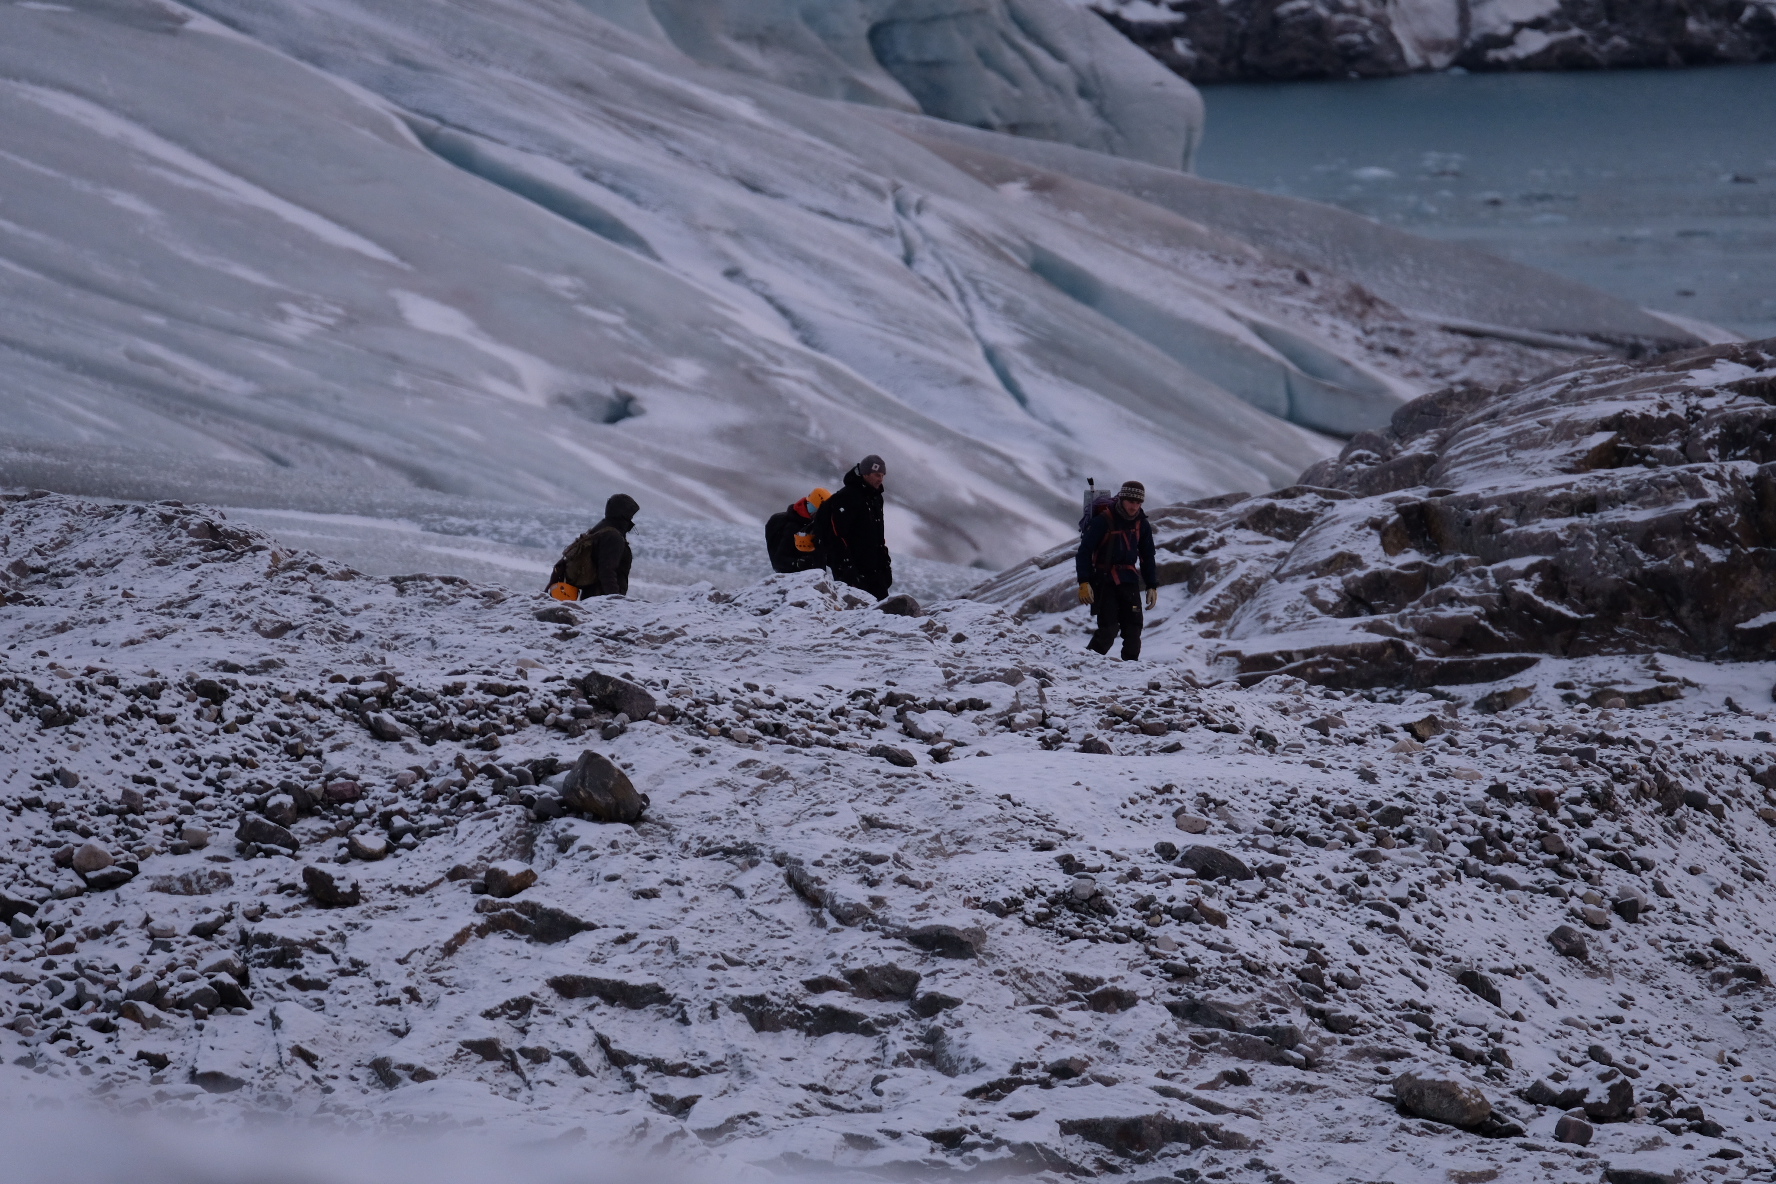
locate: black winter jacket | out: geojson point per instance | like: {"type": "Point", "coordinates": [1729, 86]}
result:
{"type": "Point", "coordinates": [852, 539]}
{"type": "Point", "coordinates": [597, 563]}
{"type": "Point", "coordinates": [1114, 548]}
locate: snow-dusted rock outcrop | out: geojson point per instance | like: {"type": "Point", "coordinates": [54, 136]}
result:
{"type": "Point", "coordinates": [1611, 508]}
{"type": "Point", "coordinates": [1279, 39]}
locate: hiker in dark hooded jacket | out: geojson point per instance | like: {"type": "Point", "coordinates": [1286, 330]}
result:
{"type": "Point", "coordinates": [850, 533]}
{"type": "Point", "coordinates": [1114, 564]}
{"type": "Point", "coordinates": [597, 563]}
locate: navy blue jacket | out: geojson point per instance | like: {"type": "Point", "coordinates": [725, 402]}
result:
{"type": "Point", "coordinates": [1113, 548]}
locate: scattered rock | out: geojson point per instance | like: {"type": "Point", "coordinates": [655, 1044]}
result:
{"type": "Point", "coordinates": [508, 877]}
{"type": "Point", "coordinates": [1502, 700]}
{"type": "Point", "coordinates": [615, 991]}
{"type": "Point", "coordinates": [281, 809]}
{"type": "Point", "coordinates": [197, 836]}
{"type": "Point", "coordinates": [1642, 1173]}
{"type": "Point", "coordinates": [1212, 863]}
{"type": "Point", "coordinates": [597, 789]}
{"type": "Point", "coordinates": [894, 756]}
{"type": "Point", "coordinates": [369, 847]}
{"type": "Point", "coordinates": [1189, 823]}
{"type": "Point", "coordinates": [331, 889]}
{"type": "Point", "coordinates": [1571, 1129]}
{"type": "Point", "coordinates": [530, 919]}
{"type": "Point", "coordinates": [900, 605]}
{"type": "Point", "coordinates": [1480, 985]}
{"type": "Point", "coordinates": [266, 833]}
{"type": "Point", "coordinates": [1543, 1092]}
{"type": "Point", "coordinates": [1441, 1098]}
{"type": "Point", "coordinates": [1094, 745]}
{"type": "Point", "coordinates": [196, 882]}
{"type": "Point", "coordinates": [619, 696]}
{"type": "Point", "coordinates": [342, 791]}
{"type": "Point", "coordinates": [948, 941]}
{"type": "Point", "coordinates": [883, 982]}
{"type": "Point", "coordinates": [383, 726]}
{"type": "Point", "coordinates": [90, 857]}
{"type": "Point", "coordinates": [107, 878]}
{"type": "Point", "coordinates": [1570, 943]}
{"type": "Point", "coordinates": [1140, 1136]}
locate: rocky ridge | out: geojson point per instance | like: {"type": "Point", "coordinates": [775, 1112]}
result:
{"type": "Point", "coordinates": [1273, 40]}
{"type": "Point", "coordinates": [1607, 508]}
{"type": "Point", "coordinates": [910, 892]}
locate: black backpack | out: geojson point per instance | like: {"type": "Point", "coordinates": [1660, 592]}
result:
{"type": "Point", "coordinates": [781, 529]}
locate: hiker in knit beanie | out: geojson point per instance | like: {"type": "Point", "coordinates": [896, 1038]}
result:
{"type": "Point", "coordinates": [1115, 564]}
{"type": "Point", "coordinates": [850, 532]}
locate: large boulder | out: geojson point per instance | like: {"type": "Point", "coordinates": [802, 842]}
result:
{"type": "Point", "coordinates": [597, 789]}
{"type": "Point", "coordinates": [1441, 1098]}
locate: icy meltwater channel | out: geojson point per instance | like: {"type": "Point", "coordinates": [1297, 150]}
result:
{"type": "Point", "coordinates": [1658, 186]}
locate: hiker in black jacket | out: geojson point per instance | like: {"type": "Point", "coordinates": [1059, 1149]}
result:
{"type": "Point", "coordinates": [850, 534]}
{"type": "Point", "coordinates": [1115, 563]}
{"type": "Point", "coordinates": [597, 563]}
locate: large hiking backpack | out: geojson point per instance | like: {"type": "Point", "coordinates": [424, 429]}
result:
{"type": "Point", "coordinates": [782, 530]}
{"type": "Point", "coordinates": [1098, 504]}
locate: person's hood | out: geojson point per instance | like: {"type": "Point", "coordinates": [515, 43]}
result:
{"type": "Point", "coordinates": [620, 511]}
{"type": "Point", "coordinates": [854, 480]}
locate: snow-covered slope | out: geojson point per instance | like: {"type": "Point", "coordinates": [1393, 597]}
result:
{"type": "Point", "coordinates": [529, 254]}
{"type": "Point", "coordinates": [250, 797]}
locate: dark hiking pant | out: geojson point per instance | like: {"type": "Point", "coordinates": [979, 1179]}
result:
{"type": "Point", "coordinates": [1119, 610]}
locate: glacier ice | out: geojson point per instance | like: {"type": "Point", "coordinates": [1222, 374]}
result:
{"type": "Point", "coordinates": [528, 254]}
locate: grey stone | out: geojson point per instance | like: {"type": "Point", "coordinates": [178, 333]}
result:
{"type": "Point", "coordinates": [281, 809]}
{"type": "Point", "coordinates": [369, 847]}
{"type": "Point", "coordinates": [1641, 1173]}
{"type": "Point", "coordinates": [616, 991]}
{"type": "Point", "coordinates": [255, 829]}
{"type": "Point", "coordinates": [383, 726]}
{"type": "Point", "coordinates": [90, 857]}
{"type": "Point", "coordinates": [900, 605]}
{"type": "Point", "coordinates": [619, 695]}
{"type": "Point", "coordinates": [883, 982]}
{"type": "Point", "coordinates": [508, 877]}
{"type": "Point", "coordinates": [1212, 863]}
{"type": "Point", "coordinates": [1441, 1098]}
{"type": "Point", "coordinates": [1570, 942]}
{"type": "Point", "coordinates": [1543, 1092]}
{"type": "Point", "coordinates": [1571, 1129]}
{"type": "Point", "coordinates": [107, 878]}
{"type": "Point", "coordinates": [333, 889]}
{"type": "Point", "coordinates": [597, 789]}
{"type": "Point", "coordinates": [197, 836]}
{"type": "Point", "coordinates": [1190, 823]}
{"type": "Point", "coordinates": [895, 756]}
{"type": "Point", "coordinates": [948, 941]}
{"type": "Point", "coordinates": [1480, 985]}
{"type": "Point", "coordinates": [200, 881]}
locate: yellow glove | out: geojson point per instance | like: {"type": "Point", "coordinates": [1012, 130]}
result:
{"type": "Point", "coordinates": [1152, 599]}
{"type": "Point", "coordinates": [1085, 594]}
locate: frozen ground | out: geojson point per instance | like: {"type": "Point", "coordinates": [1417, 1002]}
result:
{"type": "Point", "coordinates": [811, 960]}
